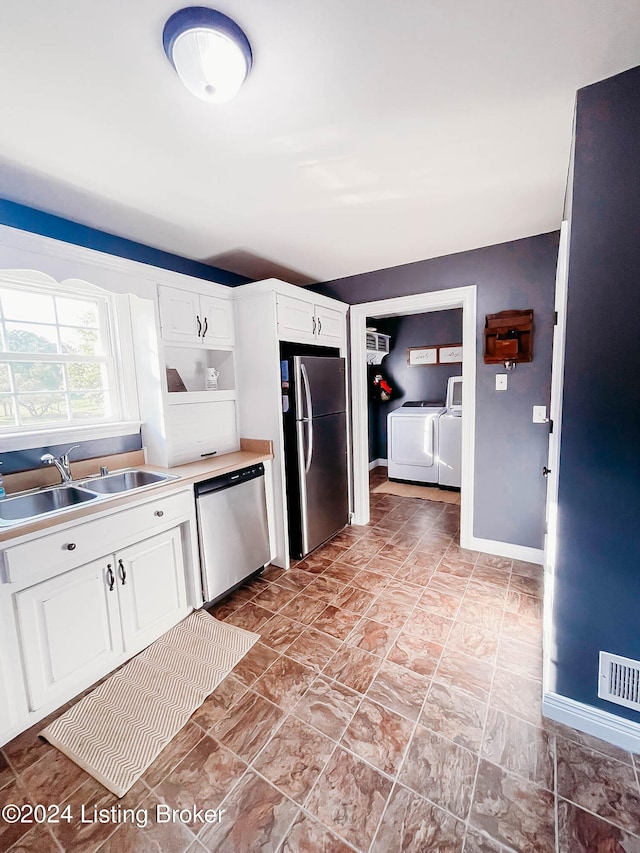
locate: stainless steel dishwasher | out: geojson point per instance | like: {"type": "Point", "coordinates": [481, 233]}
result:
{"type": "Point", "coordinates": [232, 529]}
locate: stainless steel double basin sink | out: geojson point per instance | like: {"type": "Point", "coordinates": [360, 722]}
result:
{"type": "Point", "coordinates": [33, 504]}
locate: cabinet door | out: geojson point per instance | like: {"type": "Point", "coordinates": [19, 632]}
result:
{"type": "Point", "coordinates": [217, 321]}
{"type": "Point", "coordinates": [330, 325]}
{"type": "Point", "coordinates": [151, 588]}
{"type": "Point", "coordinates": [296, 320]}
{"type": "Point", "coordinates": [69, 630]}
{"type": "Point", "coordinates": [180, 316]}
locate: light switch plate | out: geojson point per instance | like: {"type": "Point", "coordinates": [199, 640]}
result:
{"type": "Point", "coordinates": [540, 415]}
{"type": "Point", "coordinates": [501, 381]}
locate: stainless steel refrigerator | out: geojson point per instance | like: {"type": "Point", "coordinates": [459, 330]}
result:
{"type": "Point", "coordinates": [315, 432]}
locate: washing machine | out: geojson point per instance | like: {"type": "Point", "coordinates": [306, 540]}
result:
{"type": "Point", "coordinates": [450, 437]}
{"type": "Point", "coordinates": [412, 441]}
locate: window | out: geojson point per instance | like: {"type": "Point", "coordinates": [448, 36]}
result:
{"type": "Point", "coordinates": [57, 366]}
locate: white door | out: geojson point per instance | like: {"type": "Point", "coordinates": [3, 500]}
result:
{"type": "Point", "coordinates": [151, 588]}
{"type": "Point", "coordinates": [555, 414]}
{"type": "Point", "coordinates": [296, 320]}
{"type": "Point", "coordinates": [69, 628]}
{"type": "Point", "coordinates": [180, 316]}
{"type": "Point", "coordinates": [217, 321]}
{"type": "Point", "coordinates": [330, 325]}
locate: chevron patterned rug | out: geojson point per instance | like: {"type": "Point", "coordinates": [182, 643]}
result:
{"type": "Point", "coordinates": [118, 729]}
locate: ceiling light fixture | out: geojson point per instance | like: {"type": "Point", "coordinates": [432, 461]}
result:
{"type": "Point", "coordinates": [210, 53]}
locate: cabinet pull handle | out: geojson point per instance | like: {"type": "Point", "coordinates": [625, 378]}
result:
{"type": "Point", "coordinates": [159, 513]}
{"type": "Point", "coordinates": [319, 326]}
{"type": "Point", "coordinates": [122, 572]}
{"type": "Point", "coordinates": [206, 326]}
{"type": "Point", "coordinates": [71, 546]}
{"type": "Point", "coordinates": [314, 324]}
{"type": "Point", "coordinates": [110, 577]}
{"type": "Point", "coordinates": [199, 325]}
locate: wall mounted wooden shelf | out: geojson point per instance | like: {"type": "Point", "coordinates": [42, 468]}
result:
{"type": "Point", "coordinates": [508, 337]}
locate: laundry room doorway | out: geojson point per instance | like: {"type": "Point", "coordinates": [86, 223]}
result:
{"type": "Point", "coordinates": [369, 422]}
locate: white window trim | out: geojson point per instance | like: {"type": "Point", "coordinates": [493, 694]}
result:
{"type": "Point", "coordinates": [119, 329]}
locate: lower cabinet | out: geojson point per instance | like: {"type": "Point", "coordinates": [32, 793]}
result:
{"type": "Point", "coordinates": [74, 627]}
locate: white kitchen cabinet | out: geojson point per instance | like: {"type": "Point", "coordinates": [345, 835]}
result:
{"type": "Point", "coordinates": [195, 318]}
{"type": "Point", "coordinates": [69, 630]}
{"type": "Point", "coordinates": [151, 588]}
{"type": "Point", "coordinates": [307, 321]}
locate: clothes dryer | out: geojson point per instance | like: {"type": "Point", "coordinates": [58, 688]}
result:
{"type": "Point", "coordinates": [412, 442]}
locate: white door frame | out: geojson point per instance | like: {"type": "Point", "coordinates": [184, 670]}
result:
{"type": "Point", "coordinates": [419, 303]}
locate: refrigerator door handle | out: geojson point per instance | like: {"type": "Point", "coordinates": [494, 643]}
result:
{"type": "Point", "coordinates": [309, 418]}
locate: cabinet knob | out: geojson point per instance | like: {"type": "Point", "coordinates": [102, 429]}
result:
{"type": "Point", "coordinates": [71, 546]}
{"type": "Point", "coordinates": [159, 513]}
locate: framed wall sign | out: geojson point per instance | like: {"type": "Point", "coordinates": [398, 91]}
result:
{"type": "Point", "coordinates": [418, 356]}
{"type": "Point", "coordinates": [450, 354]}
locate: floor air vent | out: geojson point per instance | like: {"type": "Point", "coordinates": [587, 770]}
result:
{"type": "Point", "coordinates": [619, 680]}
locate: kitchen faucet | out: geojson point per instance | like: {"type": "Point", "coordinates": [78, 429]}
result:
{"type": "Point", "coordinates": [61, 462]}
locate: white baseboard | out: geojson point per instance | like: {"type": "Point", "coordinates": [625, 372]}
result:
{"type": "Point", "coordinates": [378, 462]}
{"type": "Point", "coordinates": [594, 721]}
{"type": "Point", "coordinates": [505, 549]}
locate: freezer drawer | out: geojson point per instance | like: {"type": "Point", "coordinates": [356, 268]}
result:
{"type": "Point", "coordinates": [232, 529]}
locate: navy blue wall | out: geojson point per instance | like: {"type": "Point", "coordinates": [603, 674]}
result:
{"type": "Point", "coordinates": [598, 557]}
{"type": "Point", "coordinates": [410, 382]}
{"type": "Point", "coordinates": [38, 222]}
{"type": "Point", "coordinates": [510, 492]}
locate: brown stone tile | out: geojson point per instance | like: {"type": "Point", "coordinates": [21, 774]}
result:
{"type": "Point", "coordinates": [313, 564]}
{"type": "Point", "coordinates": [249, 616]}
{"type": "Point", "coordinates": [465, 673]}
{"type": "Point", "coordinates": [173, 753]}
{"type": "Point", "coordinates": [257, 817]}
{"type": "Point", "coordinates": [313, 648]}
{"type": "Point", "coordinates": [248, 726]}
{"type": "Point", "coordinates": [522, 658]}
{"type": "Point", "coordinates": [37, 840]}
{"type": "Point", "coordinates": [451, 565]}
{"type": "Point", "coordinates": [465, 554]}
{"type": "Point", "coordinates": [516, 695]}
{"type": "Point", "coordinates": [414, 650]}
{"type": "Point", "coordinates": [54, 772]}
{"type": "Point", "coordinates": [28, 747]}
{"type": "Point", "coordinates": [325, 588]}
{"type": "Point", "coordinates": [357, 556]}
{"type": "Point", "coordinates": [284, 682]}
{"type": "Point", "coordinates": [155, 836]}
{"type": "Point", "coordinates": [279, 632]}
{"type": "Point", "coordinates": [379, 736]}
{"type": "Point", "coordinates": [218, 703]}
{"type": "Point", "coordinates": [15, 794]}
{"type": "Point", "coordinates": [401, 592]}
{"type": "Point", "coordinates": [370, 581]}
{"type": "Point", "coordinates": [480, 614]}
{"type": "Point", "coordinates": [526, 585]}
{"type": "Point", "coordinates": [476, 642]}
{"type": "Point", "coordinates": [426, 624]}
{"type": "Point", "coordinates": [456, 715]}
{"type": "Point", "coordinates": [397, 553]}
{"type": "Point", "coordinates": [383, 565]}
{"type": "Point", "coordinates": [273, 573]}
{"type": "Point", "coordinates": [599, 784]}
{"type": "Point", "coordinates": [294, 758]}
{"type": "Point", "coordinates": [476, 842]}
{"type": "Point", "coordinates": [373, 636]}
{"type": "Point", "coordinates": [354, 599]}
{"type": "Point", "coordinates": [513, 811]}
{"type": "Point", "coordinates": [520, 628]}
{"type": "Point", "coordinates": [349, 798]}
{"type": "Point", "coordinates": [491, 575]}
{"type": "Point", "coordinates": [441, 771]}
{"type": "Point", "coordinates": [204, 776]}
{"type": "Point", "coordinates": [230, 603]}
{"type": "Point", "coordinates": [595, 743]}
{"type": "Point", "coordinates": [531, 570]}
{"type": "Point", "coordinates": [342, 572]}
{"type": "Point", "coordinates": [353, 667]}
{"type": "Point", "coordinates": [487, 593]}
{"type": "Point", "coordinates": [273, 597]}
{"type": "Point", "coordinates": [414, 574]}
{"type": "Point", "coordinates": [254, 663]}
{"type": "Point", "coordinates": [6, 773]}
{"type": "Point", "coordinates": [494, 561]}
{"type": "Point", "coordinates": [399, 690]}
{"type": "Point", "coordinates": [333, 550]}
{"type": "Point", "coordinates": [447, 583]}
{"type": "Point", "coordinates": [303, 608]}
{"type": "Point", "coordinates": [440, 603]}
{"type": "Point", "coordinates": [582, 832]}
{"type": "Point", "coordinates": [336, 622]}
{"type": "Point", "coordinates": [412, 825]}
{"type": "Point", "coordinates": [520, 747]}
{"type": "Point", "coordinates": [308, 836]}
{"type": "Point", "coordinates": [394, 615]}
{"type": "Point", "coordinates": [329, 706]}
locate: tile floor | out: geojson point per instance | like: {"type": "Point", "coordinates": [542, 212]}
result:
{"type": "Point", "coordinates": [392, 704]}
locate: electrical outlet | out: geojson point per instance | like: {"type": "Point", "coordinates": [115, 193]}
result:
{"type": "Point", "coordinates": [540, 415]}
{"type": "Point", "coordinates": [501, 381]}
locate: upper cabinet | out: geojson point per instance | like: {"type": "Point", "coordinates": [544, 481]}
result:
{"type": "Point", "coordinates": [307, 321]}
{"type": "Point", "coordinates": [196, 319]}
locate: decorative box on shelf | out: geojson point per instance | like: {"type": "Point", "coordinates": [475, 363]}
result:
{"type": "Point", "coordinates": [508, 337]}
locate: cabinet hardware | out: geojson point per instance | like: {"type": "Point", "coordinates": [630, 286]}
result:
{"type": "Point", "coordinates": [110, 577]}
{"type": "Point", "coordinates": [319, 326]}
{"type": "Point", "coordinates": [122, 572]}
{"type": "Point", "coordinates": [314, 324]}
{"type": "Point", "coordinates": [71, 546]}
{"type": "Point", "coordinates": [206, 326]}
{"type": "Point", "coordinates": [199, 326]}
{"type": "Point", "coordinates": [159, 513]}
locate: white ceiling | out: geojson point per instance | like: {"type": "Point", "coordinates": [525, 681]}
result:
{"type": "Point", "coordinates": [368, 134]}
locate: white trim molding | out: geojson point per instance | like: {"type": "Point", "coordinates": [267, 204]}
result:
{"type": "Point", "coordinates": [506, 549]}
{"type": "Point", "coordinates": [418, 303]}
{"type": "Point", "coordinates": [593, 721]}
{"type": "Point", "coordinates": [382, 463]}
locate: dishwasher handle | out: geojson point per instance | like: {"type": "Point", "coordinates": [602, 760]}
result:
{"type": "Point", "coordinates": [226, 481]}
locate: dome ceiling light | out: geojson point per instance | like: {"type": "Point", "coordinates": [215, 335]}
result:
{"type": "Point", "coordinates": [210, 53]}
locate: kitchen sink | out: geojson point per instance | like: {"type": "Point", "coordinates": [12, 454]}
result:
{"type": "Point", "coordinates": [23, 507]}
{"type": "Point", "coordinates": [125, 481]}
